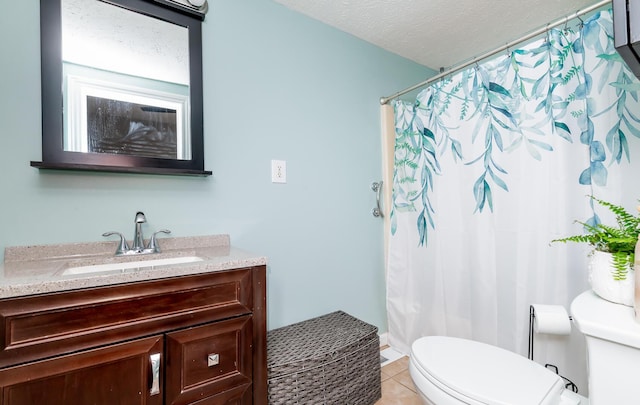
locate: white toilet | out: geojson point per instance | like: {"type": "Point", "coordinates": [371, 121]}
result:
{"type": "Point", "coordinates": [613, 349]}
{"type": "Point", "coordinates": [453, 371]}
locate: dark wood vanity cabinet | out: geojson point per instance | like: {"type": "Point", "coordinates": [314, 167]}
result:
{"type": "Point", "coordinates": [197, 339]}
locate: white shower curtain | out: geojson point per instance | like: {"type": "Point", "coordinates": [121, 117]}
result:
{"type": "Point", "coordinates": [490, 166]}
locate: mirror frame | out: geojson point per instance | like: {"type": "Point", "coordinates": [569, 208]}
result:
{"type": "Point", "coordinates": [53, 154]}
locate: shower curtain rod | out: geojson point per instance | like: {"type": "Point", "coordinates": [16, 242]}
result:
{"type": "Point", "coordinates": [565, 20]}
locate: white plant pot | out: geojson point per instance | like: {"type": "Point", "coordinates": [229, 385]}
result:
{"type": "Point", "coordinates": [604, 285]}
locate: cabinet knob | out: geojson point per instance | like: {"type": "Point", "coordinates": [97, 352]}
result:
{"type": "Point", "coordinates": [213, 359]}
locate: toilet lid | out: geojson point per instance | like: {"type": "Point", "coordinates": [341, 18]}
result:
{"type": "Point", "coordinates": [487, 374]}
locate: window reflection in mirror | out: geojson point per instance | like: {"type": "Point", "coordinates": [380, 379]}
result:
{"type": "Point", "coordinates": [122, 86]}
{"type": "Point", "coordinates": [125, 82]}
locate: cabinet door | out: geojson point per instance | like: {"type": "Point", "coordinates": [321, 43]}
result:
{"type": "Point", "coordinates": [116, 374]}
{"type": "Point", "coordinates": [210, 364]}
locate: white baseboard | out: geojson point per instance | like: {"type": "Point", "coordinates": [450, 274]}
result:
{"type": "Point", "coordinates": [384, 339]}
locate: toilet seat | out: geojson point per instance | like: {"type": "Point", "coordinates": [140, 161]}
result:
{"type": "Point", "coordinates": [478, 373]}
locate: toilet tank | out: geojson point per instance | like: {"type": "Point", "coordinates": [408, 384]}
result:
{"type": "Point", "coordinates": [613, 349]}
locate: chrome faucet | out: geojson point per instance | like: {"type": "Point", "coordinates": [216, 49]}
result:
{"type": "Point", "coordinates": [138, 247]}
{"type": "Point", "coordinates": [138, 239]}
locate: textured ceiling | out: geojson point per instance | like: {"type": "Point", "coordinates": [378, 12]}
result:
{"type": "Point", "coordinates": [437, 33]}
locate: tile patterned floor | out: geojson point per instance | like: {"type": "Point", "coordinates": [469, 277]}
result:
{"type": "Point", "coordinates": [397, 386]}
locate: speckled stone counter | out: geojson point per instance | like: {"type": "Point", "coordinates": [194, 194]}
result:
{"type": "Point", "coordinates": [29, 270]}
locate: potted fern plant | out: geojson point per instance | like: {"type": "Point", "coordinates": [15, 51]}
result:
{"type": "Point", "coordinates": [612, 260]}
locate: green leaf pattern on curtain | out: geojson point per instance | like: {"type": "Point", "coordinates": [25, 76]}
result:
{"type": "Point", "coordinates": [514, 102]}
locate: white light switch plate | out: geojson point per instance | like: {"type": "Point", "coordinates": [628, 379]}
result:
{"type": "Point", "coordinates": [278, 171]}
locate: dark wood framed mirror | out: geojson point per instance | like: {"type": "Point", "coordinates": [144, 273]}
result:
{"type": "Point", "coordinates": [137, 110]}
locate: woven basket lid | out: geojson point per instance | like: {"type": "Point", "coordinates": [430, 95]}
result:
{"type": "Point", "coordinates": [316, 341]}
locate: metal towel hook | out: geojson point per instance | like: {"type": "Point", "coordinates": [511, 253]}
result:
{"type": "Point", "coordinates": [377, 188]}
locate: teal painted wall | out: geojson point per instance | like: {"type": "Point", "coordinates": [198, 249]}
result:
{"type": "Point", "coordinates": [277, 85]}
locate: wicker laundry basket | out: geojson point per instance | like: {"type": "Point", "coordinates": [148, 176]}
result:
{"type": "Point", "coordinates": [331, 359]}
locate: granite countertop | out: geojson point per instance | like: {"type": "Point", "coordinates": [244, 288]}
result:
{"type": "Point", "coordinates": [29, 270]}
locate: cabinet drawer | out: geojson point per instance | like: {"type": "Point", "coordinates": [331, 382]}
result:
{"type": "Point", "coordinates": [209, 359]}
{"type": "Point", "coordinates": [36, 327]}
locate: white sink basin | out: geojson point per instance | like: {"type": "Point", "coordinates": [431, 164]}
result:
{"type": "Point", "coordinates": [98, 268]}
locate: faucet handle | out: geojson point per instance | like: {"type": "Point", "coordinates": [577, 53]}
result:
{"type": "Point", "coordinates": [153, 243]}
{"type": "Point", "coordinates": [122, 247]}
